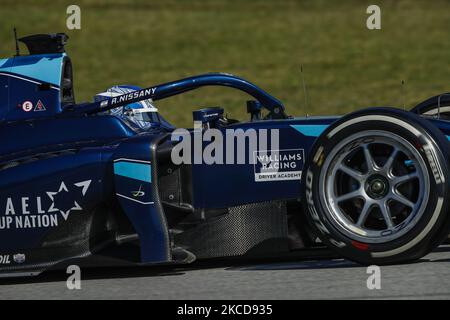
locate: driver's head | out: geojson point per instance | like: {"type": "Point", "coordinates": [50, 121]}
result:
{"type": "Point", "coordinates": [143, 113]}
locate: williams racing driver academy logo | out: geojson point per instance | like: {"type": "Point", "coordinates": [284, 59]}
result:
{"type": "Point", "coordinates": [278, 165]}
{"type": "Point", "coordinates": [45, 210]}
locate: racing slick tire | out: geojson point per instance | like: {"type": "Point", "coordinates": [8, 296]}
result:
{"type": "Point", "coordinates": [437, 106]}
{"type": "Point", "coordinates": [376, 186]}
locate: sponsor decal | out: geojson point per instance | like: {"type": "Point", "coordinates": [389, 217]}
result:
{"type": "Point", "coordinates": [434, 165]}
{"type": "Point", "coordinates": [39, 106]}
{"type": "Point", "coordinates": [18, 258]}
{"type": "Point", "coordinates": [279, 165]}
{"type": "Point", "coordinates": [62, 188]}
{"type": "Point", "coordinates": [319, 157]}
{"type": "Point", "coordinates": [44, 211]}
{"type": "Point", "coordinates": [104, 104]}
{"type": "Point", "coordinates": [5, 259]}
{"type": "Point", "coordinates": [140, 94]}
{"type": "Point", "coordinates": [138, 193]}
{"type": "Point", "coordinates": [27, 106]}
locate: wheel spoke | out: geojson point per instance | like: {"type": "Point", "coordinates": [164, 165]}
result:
{"type": "Point", "coordinates": [390, 161]}
{"type": "Point", "coordinates": [371, 165]}
{"type": "Point", "coordinates": [348, 196]}
{"type": "Point", "coordinates": [401, 199]}
{"type": "Point", "coordinates": [402, 179]}
{"type": "Point", "coordinates": [351, 172]}
{"type": "Point", "coordinates": [386, 212]}
{"type": "Point", "coordinates": [364, 214]}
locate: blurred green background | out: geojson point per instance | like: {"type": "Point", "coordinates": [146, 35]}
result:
{"type": "Point", "coordinates": [346, 66]}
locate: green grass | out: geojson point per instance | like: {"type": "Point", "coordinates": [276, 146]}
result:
{"type": "Point", "coordinates": [346, 66]}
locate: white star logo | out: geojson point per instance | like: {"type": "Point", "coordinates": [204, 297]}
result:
{"type": "Point", "coordinates": [76, 207]}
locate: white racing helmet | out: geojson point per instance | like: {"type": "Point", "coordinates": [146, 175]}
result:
{"type": "Point", "coordinates": [142, 114]}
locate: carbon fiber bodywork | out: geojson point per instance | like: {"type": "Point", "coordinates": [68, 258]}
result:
{"type": "Point", "coordinates": [246, 230]}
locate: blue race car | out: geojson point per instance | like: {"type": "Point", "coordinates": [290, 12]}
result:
{"type": "Point", "coordinates": [111, 182]}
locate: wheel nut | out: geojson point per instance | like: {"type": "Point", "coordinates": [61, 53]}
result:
{"type": "Point", "coordinates": [377, 186]}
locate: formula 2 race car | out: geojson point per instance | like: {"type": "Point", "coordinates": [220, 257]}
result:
{"type": "Point", "coordinates": [111, 182]}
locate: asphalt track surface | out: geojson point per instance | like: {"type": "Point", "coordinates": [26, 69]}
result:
{"type": "Point", "coordinates": [428, 278]}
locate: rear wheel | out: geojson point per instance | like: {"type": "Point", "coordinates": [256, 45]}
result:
{"type": "Point", "coordinates": [375, 186]}
{"type": "Point", "coordinates": [435, 107]}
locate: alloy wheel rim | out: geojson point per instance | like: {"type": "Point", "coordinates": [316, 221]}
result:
{"type": "Point", "coordinates": [375, 186]}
